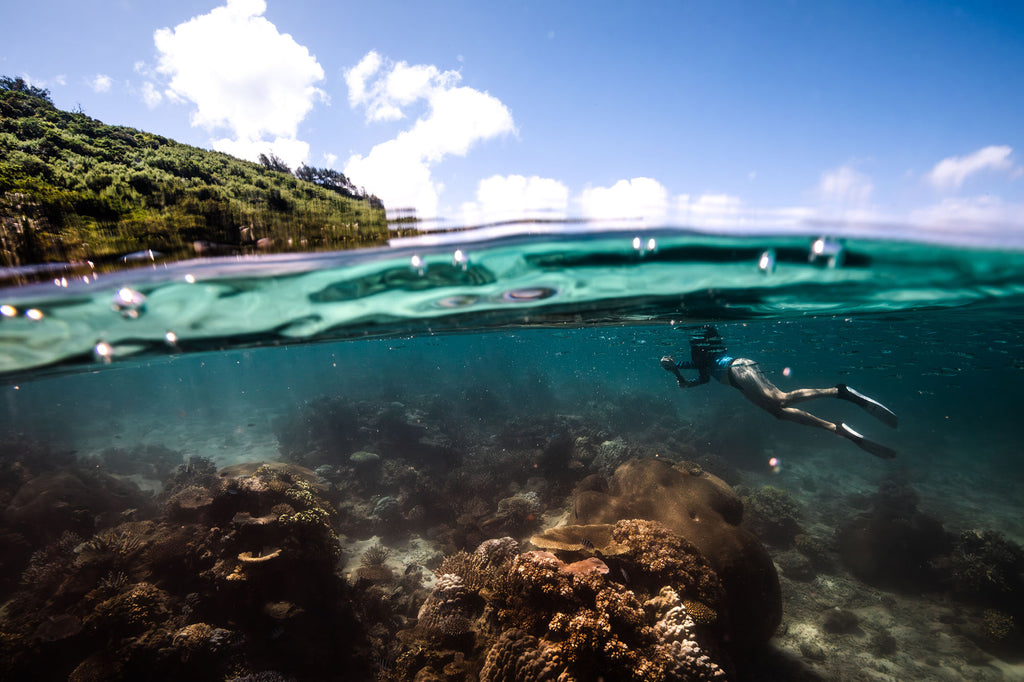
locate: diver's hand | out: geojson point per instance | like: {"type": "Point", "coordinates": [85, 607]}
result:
{"type": "Point", "coordinates": [669, 365]}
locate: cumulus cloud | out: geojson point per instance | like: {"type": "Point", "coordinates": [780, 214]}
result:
{"type": "Point", "coordinates": [512, 197]}
{"type": "Point", "coordinates": [951, 173]}
{"type": "Point", "coordinates": [845, 186]}
{"type": "Point", "coordinates": [243, 76]}
{"type": "Point", "coordinates": [456, 118]}
{"type": "Point", "coordinates": [635, 198]}
{"type": "Point", "coordinates": [101, 83]}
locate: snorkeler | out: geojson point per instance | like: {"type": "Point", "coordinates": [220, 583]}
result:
{"type": "Point", "coordinates": [708, 356]}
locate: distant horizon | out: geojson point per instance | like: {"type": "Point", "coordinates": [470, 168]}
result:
{"type": "Point", "coordinates": [719, 116]}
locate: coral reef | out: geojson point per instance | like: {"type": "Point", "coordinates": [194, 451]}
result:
{"type": "Point", "coordinates": [241, 584]}
{"type": "Point", "coordinates": [772, 514]}
{"type": "Point", "coordinates": [330, 430]}
{"type": "Point", "coordinates": [988, 569]}
{"type": "Point", "coordinates": [648, 613]}
{"type": "Point", "coordinates": [705, 511]}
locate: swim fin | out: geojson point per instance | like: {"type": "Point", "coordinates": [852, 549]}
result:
{"type": "Point", "coordinates": [876, 449]}
{"type": "Point", "coordinates": [872, 407]}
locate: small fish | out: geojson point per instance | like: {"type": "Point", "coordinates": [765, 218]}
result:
{"type": "Point", "coordinates": [587, 544]}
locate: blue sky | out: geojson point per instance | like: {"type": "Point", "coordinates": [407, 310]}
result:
{"type": "Point", "coordinates": [708, 113]}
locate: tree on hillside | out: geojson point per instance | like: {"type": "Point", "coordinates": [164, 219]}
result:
{"type": "Point", "coordinates": [327, 178]}
{"type": "Point", "coordinates": [21, 85]}
{"type": "Point", "coordinates": [274, 163]}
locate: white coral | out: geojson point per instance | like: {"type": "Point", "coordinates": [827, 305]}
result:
{"type": "Point", "coordinates": [677, 641]}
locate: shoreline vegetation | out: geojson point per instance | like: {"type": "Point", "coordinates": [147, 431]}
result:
{"type": "Point", "coordinates": [76, 191]}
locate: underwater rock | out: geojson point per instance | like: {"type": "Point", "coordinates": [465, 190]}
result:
{"type": "Point", "coordinates": [796, 566]}
{"type": "Point", "coordinates": [840, 622]}
{"type": "Point", "coordinates": [704, 510]}
{"type": "Point", "coordinates": [59, 627]}
{"type": "Point", "coordinates": [367, 465]}
{"type": "Point", "coordinates": [894, 545]}
{"type": "Point", "coordinates": [54, 502]}
{"type": "Point", "coordinates": [882, 643]}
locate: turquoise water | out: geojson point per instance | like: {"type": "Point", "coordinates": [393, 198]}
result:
{"type": "Point", "coordinates": [479, 371]}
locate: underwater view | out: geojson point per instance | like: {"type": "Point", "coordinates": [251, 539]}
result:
{"type": "Point", "coordinates": [566, 455]}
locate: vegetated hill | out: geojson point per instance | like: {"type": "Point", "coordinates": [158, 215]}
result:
{"type": "Point", "coordinates": [74, 189]}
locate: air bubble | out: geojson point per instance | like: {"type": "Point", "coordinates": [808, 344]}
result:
{"type": "Point", "coordinates": [129, 302]}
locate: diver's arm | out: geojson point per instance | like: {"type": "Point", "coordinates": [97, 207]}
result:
{"type": "Point", "coordinates": [670, 365]}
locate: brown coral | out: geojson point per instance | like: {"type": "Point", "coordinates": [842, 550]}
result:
{"type": "Point", "coordinates": [568, 621]}
{"type": "Point", "coordinates": [703, 510]}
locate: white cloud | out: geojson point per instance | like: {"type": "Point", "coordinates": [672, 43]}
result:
{"type": "Point", "coordinates": [400, 85]}
{"type": "Point", "coordinates": [293, 152]}
{"type": "Point", "coordinates": [150, 95]}
{"type": "Point", "coordinates": [845, 187]}
{"type": "Point", "coordinates": [709, 210]}
{"type": "Point", "coordinates": [951, 173]}
{"type": "Point", "coordinates": [456, 118]}
{"type": "Point", "coordinates": [636, 198]}
{"type": "Point", "coordinates": [512, 197]}
{"type": "Point", "coordinates": [101, 83]}
{"type": "Point", "coordinates": [242, 75]}
{"type": "Point", "coordinates": [728, 211]}
{"type": "Point", "coordinates": [970, 213]}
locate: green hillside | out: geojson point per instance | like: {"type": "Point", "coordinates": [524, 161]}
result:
{"type": "Point", "coordinates": [73, 189]}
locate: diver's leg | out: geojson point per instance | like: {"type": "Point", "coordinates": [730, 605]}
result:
{"type": "Point", "coordinates": [872, 407]}
{"type": "Point", "coordinates": [843, 392]}
{"type": "Point", "coordinates": [801, 394]}
{"type": "Point", "coordinates": [800, 417]}
{"type": "Point", "coordinates": [763, 393]}
{"type": "Point", "coordinates": [791, 414]}
{"type": "Point", "coordinates": [876, 449]}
